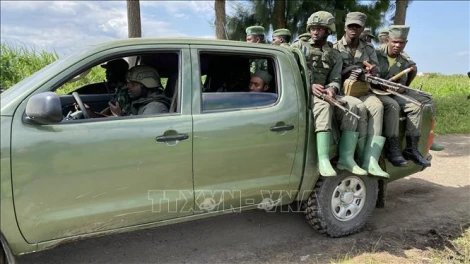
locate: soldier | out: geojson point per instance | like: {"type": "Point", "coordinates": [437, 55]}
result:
{"type": "Point", "coordinates": [260, 81]}
{"type": "Point", "coordinates": [255, 34]}
{"type": "Point", "coordinates": [145, 92]}
{"type": "Point", "coordinates": [281, 37]}
{"type": "Point", "coordinates": [116, 81]}
{"type": "Point", "coordinates": [383, 36]}
{"type": "Point", "coordinates": [354, 51]}
{"type": "Point", "coordinates": [324, 66]}
{"type": "Point", "coordinates": [392, 61]}
{"type": "Point", "coordinates": [302, 38]}
{"type": "Point", "coordinates": [367, 35]}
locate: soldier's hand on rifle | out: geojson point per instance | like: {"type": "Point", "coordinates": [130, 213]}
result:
{"type": "Point", "coordinates": [115, 109]}
{"type": "Point", "coordinates": [318, 90]}
{"type": "Point", "coordinates": [331, 92]}
{"type": "Point", "coordinates": [401, 90]}
{"type": "Point", "coordinates": [374, 70]}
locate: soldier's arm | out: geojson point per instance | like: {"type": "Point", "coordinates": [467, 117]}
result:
{"type": "Point", "coordinates": [411, 74]}
{"type": "Point", "coordinates": [334, 78]}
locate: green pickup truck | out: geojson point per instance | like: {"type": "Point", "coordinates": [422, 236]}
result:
{"type": "Point", "coordinates": [65, 177]}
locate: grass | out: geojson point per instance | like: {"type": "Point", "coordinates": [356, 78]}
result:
{"type": "Point", "coordinates": [449, 91]}
{"type": "Point", "coordinates": [450, 94]}
{"type": "Point", "coordinates": [461, 253]}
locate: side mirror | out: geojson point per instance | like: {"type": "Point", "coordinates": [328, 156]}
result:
{"type": "Point", "coordinates": [44, 108]}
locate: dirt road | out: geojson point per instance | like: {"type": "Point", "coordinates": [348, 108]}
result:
{"type": "Point", "coordinates": [421, 212]}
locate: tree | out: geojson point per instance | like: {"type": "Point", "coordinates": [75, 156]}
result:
{"type": "Point", "coordinates": [134, 28]}
{"type": "Point", "coordinates": [219, 7]}
{"type": "Point", "coordinates": [400, 12]}
{"type": "Point", "coordinates": [293, 14]}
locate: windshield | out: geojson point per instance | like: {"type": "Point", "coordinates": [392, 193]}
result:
{"type": "Point", "coordinates": [17, 89]}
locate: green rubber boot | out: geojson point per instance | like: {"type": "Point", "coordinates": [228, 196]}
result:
{"type": "Point", "coordinates": [361, 144]}
{"type": "Point", "coordinates": [372, 151]}
{"type": "Point", "coordinates": [437, 147]}
{"type": "Point", "coordinates": [347, 146]}
{"type": "Point", "coordinates": [323, 149]}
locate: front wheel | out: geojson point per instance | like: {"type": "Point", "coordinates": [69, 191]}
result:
{"type": "Point", "coordinates": [339, 206]}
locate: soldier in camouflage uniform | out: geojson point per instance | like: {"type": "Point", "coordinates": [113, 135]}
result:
{"type": "Point", "coordinates": [367, 35]}
{"type": "Point", "coordinates": [145, 92]}
{"type": "Point", "coordinates": [282, 37]}
{"type": "Point", "coordinates": [383, 36]}
{"type": "Point", "coordinates": [392, 61]}
{"type": "Point", "coordinates": [324, 66]}
{"type": "Point", "coordinates": [260, 82]}
{"type": "Point", "coordinates": [116, 81]}
{"type": "Point", "coordinates": [303, 39]}
{"type": "Point", "coordinates": [255, 34]}
{"type": "Point", "coordinates": [353, 52]}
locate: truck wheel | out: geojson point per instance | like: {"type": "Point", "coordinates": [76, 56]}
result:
{"type": "Point", "coordinates": [339, 206]}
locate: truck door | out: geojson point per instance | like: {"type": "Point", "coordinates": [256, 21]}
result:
{"type": "Point", "coordinates": [91, 175]}
{"type": "Point", "coordinates": [244, 143]}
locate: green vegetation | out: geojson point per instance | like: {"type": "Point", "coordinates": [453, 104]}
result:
{"type": "Point", "coordinates": [449, 92]}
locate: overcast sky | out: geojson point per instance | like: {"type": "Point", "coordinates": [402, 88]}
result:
{"type": "Point", "coordinates": [438, 40]}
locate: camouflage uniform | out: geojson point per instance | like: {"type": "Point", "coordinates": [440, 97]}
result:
{"type": "Point", "coordinates": [370, 140]}
{"type": "Point", "coordinates": [413, 112]}
{"type": "Point", "coordinates": [122, 97]}
{"type": "Point", "coordinates": [373, 107]}
{"type": "Point", "coordinates": [152, 100]}
{"type": "Point", "coordinates": [324, 67]}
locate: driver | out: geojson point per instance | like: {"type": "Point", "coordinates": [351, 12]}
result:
{"type": "Point", "coordinates": [116, 81]}
{"type": "Point", "coordinates": [145, 93]}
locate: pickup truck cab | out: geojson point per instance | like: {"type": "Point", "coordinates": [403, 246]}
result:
{"type": "Point", "coordinates": [65, 177]}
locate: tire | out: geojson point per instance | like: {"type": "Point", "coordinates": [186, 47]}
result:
{"type": "Point", "coordinates": [335, 215]}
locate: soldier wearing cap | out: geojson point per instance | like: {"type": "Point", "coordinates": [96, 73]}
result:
{"type": "Point", "coordinates": [367, 35]}
{"type": "Point", "coordinates": [392, 61]}
{"type": "Point", "coordinates": [383, 36]}
{"type": "Point", "coordinates": [260, 81]}
{"type": "Point", "coordinates": [281, 37]}
{"type": "Point", "coordinates": [145, 92]}
{"type": "Point", "coordinates": [255, 34]}
{"type": "Point", "coordinates": [324, 66]}
{"type": "Point", "coordinates": [353, 52]}
{"type": "Point", "coordinates": [116, 81]}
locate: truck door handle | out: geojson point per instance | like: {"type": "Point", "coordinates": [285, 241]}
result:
{"type": "Point", "coordinates": [172, 138]}
{"type": "Point", "coordinates": [281, 128]}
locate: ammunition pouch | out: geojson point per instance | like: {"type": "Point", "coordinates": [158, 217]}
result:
{"type": "Point", "coordinates": [356, 88]}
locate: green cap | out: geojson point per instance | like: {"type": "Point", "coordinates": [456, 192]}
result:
{"type": "Point", "coordinates": [398, 31]}
{"type": "Point", "coordinates": [383, 32]}
{"type": "Point", "coordinates": [263, 75]}
{"type": "Point", "coordinates": [305, 36]}
{"type": "Point", "coordinates": [281, 32]}
{"type": "Point", "coordinates": [368, 32]}
{"type": "Point", "coordinates": [356, 18]}
{"type": "Point", "coordinates": [255, 30]}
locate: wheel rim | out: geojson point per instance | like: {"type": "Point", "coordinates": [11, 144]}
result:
{"type": "Point", "coordinates": [348, 198]}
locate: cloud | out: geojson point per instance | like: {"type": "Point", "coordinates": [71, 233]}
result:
{"type": "Point", "coordinates": [463, 53]}
{"type": "Point", "coordinates": [63, 25]}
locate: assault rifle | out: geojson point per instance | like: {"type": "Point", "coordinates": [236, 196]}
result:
{"type": "Point", "coordinates": [337, 103]}
{"type": "Point", "coordinates": [391, 87]}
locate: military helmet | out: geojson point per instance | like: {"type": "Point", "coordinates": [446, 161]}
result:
{"type": "Point", "coordinates": [145, 75]}
{"type": "Point", "coordinates": [322, 18]}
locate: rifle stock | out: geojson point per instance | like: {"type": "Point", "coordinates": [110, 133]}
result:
{"type": "Point", "coordinates": [336, 103]}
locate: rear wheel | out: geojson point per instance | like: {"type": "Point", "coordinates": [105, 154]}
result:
{"type": "Point", "coordinates": [340, 206]}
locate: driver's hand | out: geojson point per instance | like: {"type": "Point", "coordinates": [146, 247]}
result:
{"type": "Point", "coordinates": [115, 109]}
{"type": "Point", "coordinates": [318, 90]}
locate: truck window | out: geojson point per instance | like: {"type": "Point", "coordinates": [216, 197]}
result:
{"type": "Point", "coordinates": [234, 81]}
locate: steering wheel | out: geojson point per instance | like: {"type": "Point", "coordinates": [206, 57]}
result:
{"type": "Point", "coordinates": [80, 105]}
